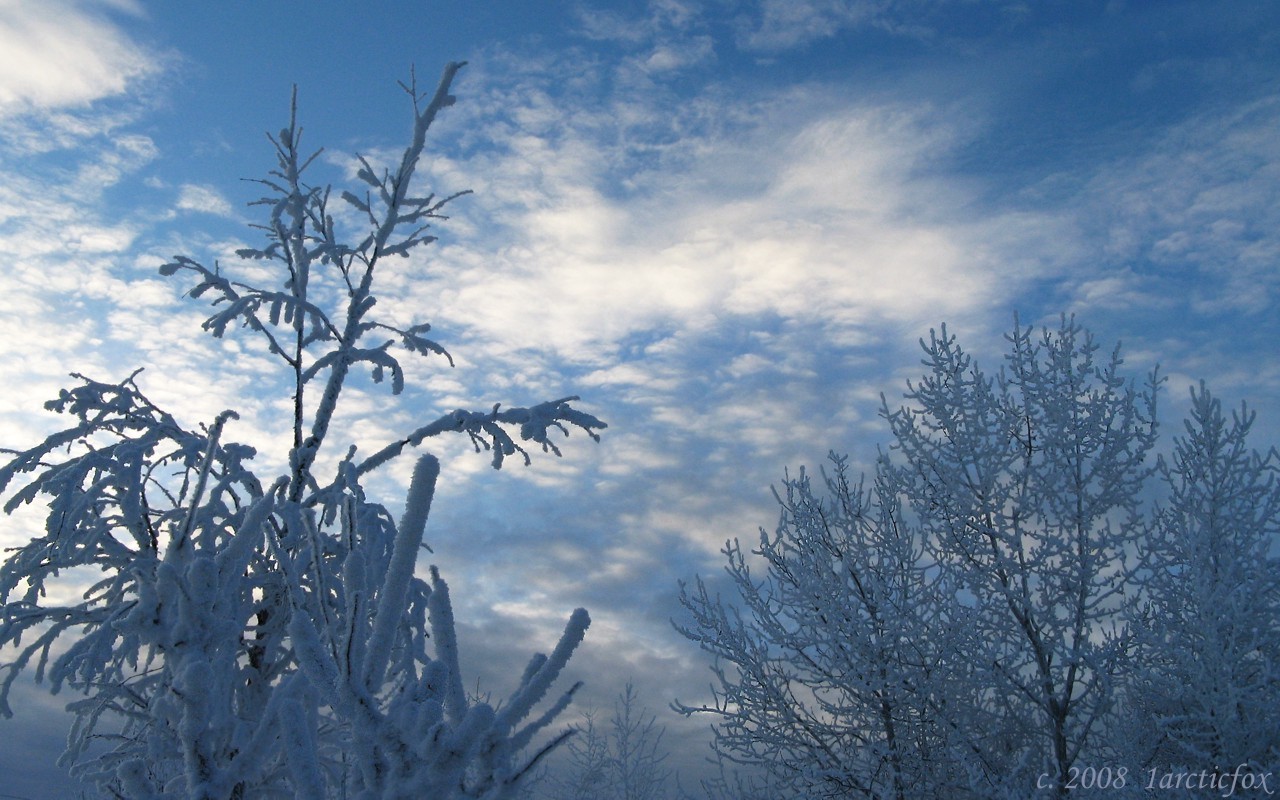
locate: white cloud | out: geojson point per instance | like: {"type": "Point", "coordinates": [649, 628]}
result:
{"type": "Point", "coordinates": [1199, 206]}
{"type": "Point", "coordinates": [670, 57]}
{"type": "Point", "coordinates": [204, 200]}
{"type": "Point", "coordinates": [64, 262]}
{"type": "Point", "coordinates": [822, 210]}
{"type": "Point", "coordinates": [784, 24]}
{"type": "Point", "coordinates": [1118, 291]}
{"type": "Point", "coordinates": [62, 53]}
{"type": "Point", "coordinates": [666, 38]}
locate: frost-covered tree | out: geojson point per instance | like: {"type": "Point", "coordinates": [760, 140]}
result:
{"type": "Point", "coordinates": [636, 752]}
{"type": "Point", "coordinates": [620, 760]}
{"type": "Point", "coordinates": [586, 774]}
{"type": "Point", "coordinates": [1209, 629]}
{"type": "Point", "coordinates": [957, 628]}
{"type": "Point", "coordinates": [1028, 486]}
{"type": "Point", "coordinates": [255, 638]}
{"type": "Point", "coordinates": [825, 676]}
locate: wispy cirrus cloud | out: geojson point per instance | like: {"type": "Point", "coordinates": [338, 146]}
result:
{"type": "Point", "coordinates": [203, 199]}
{"type": "Point", "coordinates": [802, 206]}
{"type": "Point", "coordinates": [62, 54]}
{"type": "Point", "coordinates": [776, 25]}
{"type": "Point", "coordinates": [1201, 205]}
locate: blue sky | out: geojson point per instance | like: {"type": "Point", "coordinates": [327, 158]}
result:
{"type": "Point", "coordinates": [724, 224]}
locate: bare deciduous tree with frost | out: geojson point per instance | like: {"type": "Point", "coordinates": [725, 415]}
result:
{"type": "Point", "coordinates": [256, 639]}
{"type": "Point", "coordinates": [961, 627]}
{"type": "Point", "coordinates": [825, 672]}
{"type": "Point", "coordinates": [1028, 484]}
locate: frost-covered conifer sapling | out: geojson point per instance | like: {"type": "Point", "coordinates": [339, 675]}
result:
{"type": "Point", "coordinates": [260, 639]}
{"type": "Point", "coordinates": [622, 759]}
{"type": "Point", "coordinates": [1208, 626]}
